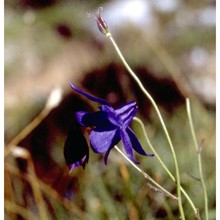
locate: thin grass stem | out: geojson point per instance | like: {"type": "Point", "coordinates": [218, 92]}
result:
{"type": "Point", "coordinates": [145, 174]}
{"type": "Point", "coordinates": [17, 209]}
{"type": "Point", "coordinates": [160, 118]}
{"type": "Point", "coordinates": [188, 109]}
{"type": "Point", "coordinates": [36, 191]}
{"type": "Point", "coordinates": [52, 102]}
{"type": "Point", "coordinates": [195, 210]}
{"type": "Point", "coordinates": [27, 130]}
{"type": "Point", "coordinates": [48, 191]}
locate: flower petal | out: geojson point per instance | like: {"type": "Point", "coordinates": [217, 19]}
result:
{"type": "Point", "coordinates": [111, 115]}
{"type": "Point", "coordinates": [123, 116]}
{"type": "Point", "coordinates": [127, 113]}
{"type": "Point", "coordinates": [87, 95]}
{"type": "Point", "coordinates": [127, 145]}
{"type": "Point", "coordinates": [91, 119]}
{"type": "Point", "coordinates": [82, 163]}
{"type": "Point", "coordinates": [125, 108]}
{"type": "Point", "coordinates": [135, 143]}
{"type": "Point", "coordinates": [103, 138]}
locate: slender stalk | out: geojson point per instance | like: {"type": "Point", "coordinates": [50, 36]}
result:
{"type": "Point", "coordinates": [17, 209]}
{"type": "Point", "coordinates": [48, 191]}
{"type": "Point", "coordinates": [52, 101]}
{"type": "Point", "coordinates": [160, 118]}
{"type": "Point", "coordinates": [188, 109]}
{"type": "Point", "coordinates": [36, 191]}
{"type": "Point", "coordinates": [33, 180]}
{"type": "Point", "coordinates": [145, 174]}
{"type": "Point", "coordinates": [27, 130]}
{"type": "Point", "coordinates": [195, 210]}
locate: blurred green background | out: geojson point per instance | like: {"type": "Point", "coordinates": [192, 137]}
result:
{"type": "Point", "coordinates": [169, 44]}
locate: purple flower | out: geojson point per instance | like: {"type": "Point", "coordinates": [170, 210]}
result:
{"type": "Point", "coordinates": [110, 126]}
{"type": "Point", "coordinates": [76, 151]}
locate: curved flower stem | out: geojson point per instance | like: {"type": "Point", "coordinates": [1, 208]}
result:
{"type": "Point", "coordinates": [199, 157]}
{"type": "Point", "coordinates": [160, 118]}
{"type": "Point", "coordinates": [145, 174]}
{"type": "Point", "coordinates": [195, 210]}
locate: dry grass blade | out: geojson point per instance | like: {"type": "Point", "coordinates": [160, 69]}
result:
{"type": "Point", "coordinates": [14, 208]}
{"type": "Point", "coordinates": [48, 191]}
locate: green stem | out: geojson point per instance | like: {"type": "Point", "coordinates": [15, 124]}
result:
{"type": "Point", "coordinates": [145, 174]}
{"type": "Point", "coordinates": [199, 157]}
{"type": "Point", "coordinates": [165, 167]}
{"type": "Point", "coordinates": [160, 118]}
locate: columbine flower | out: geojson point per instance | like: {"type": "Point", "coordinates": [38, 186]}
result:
{"type": "Point", "coordinates": [110, 126]}
{"type": "Point", "coordinates": [76, 151]}
{"type": "Point", "coordinates": [102, 26]}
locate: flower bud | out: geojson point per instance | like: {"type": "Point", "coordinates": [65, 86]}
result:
{"type": "Point", "coordinates": [102, 26]}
